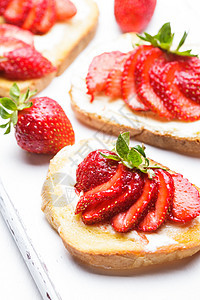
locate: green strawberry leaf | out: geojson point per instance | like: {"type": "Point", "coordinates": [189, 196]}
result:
{"type": "Point", "coordinates": [15, 103]}
{"type": "Point", "coordinates": [164, 39]}
{"type": "Point", "coordinates": [134, 157]}
{"type": "Point", "coordinates": [113, 157]}
{"type": "Point", "coordinates": [8, 103]}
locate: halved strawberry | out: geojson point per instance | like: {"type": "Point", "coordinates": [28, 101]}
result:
{"type": "Point", "coordinates": [180, 106]}
{"type": "Point", "coordinates": [127, 220]}
{"type": "Point", "coordinates": [109, 189]}
{"type": "Point", "coordinates": [128, 80]}
{"type": "Point", "coordinates": [113, 83]}
{"type": "Point", "coordinates": [25, 63]}
{"type": "Point", "coordinates": [106, 209]}
{"type": "Point", "coordinates": [3, 6]}
{"type": "Point", "coordinates": [144, 89]}
{"type": "Point", "coordinates": [98, 71]}
{"type": "Point", "coordinates": [7, 30]}
{"type": "Point", "coordinates": [95, 170]}
{"type": "Point", "coordinates": [17, 11]}
{"type": "Point", "coordinates": [65, 10]}
{"type": "Point", "coordinates": [186, 201]}
{"type": "Point", "coordinates": [156, 217]}
{"type": "Point", "coordinates": [189, 84]}
{"type": "Point", "coordinates": [48, 19]}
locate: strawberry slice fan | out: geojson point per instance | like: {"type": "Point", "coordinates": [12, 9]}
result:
{"type": "Point", "coordinates": [38, 16]}
{"type": "Point", "coordinates": [151, 78]}
{"type": "Point", "coordinates": [137, 194]}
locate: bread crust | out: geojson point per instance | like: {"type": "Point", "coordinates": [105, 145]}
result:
{"type": "Point", "coordinates": [63, 53]}
{"type": "Point", "coordinates": [189, 145]}
{"type": "Point", "coordinates": [105, 248]}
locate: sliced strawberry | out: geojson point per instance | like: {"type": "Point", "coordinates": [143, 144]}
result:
{"type": "Point", "coordinates": [156, 217]}
{"type": "Point", "coordinates": [104, 210]}
{"type": "Point", "coordinates": [95, 170]}
{"type": "Point", "coordinates": [128, 80]}
{"type": "Point", "coordinates": [127, 220]}
{"type": "Point", "coordinates": [144, 89]}
{"type": "Point", "coordinates": [17, 11]}
{"type": "Point", "coordinates": [25, 63]}
{"type": "Point", "coordinates": [8, 44]}
{"type": "Point", "coordinates": [113, 83]}
{"type": "Point", "coordinates": [7, 30]}
{"type": "Point", "coordinates": [186, 201]}
{"type": "Point", "coordinates": [189, 84]}
{"type": "Point", "coordinates": [109, 189]}
{"type": "Point", "coordinates": [180, 106]}
{"type": "Point", "coordinates": [99, 69]}
{"type": "Point", "coordinates": [65, 10]}
{"type": "Point", "coordinates": [3, 6]}
{"type": "Point", "coordinates": [48, 19]}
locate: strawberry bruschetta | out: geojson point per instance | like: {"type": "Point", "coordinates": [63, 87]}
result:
{"type": "Point", "coordinates": [141, 84]}
{"type": "Point", "coordinates": [40, 39]}
{"type": "Point", "coordinates": [118, 209]}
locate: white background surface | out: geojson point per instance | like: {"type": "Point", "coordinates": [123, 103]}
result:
{"type": "Point", "coordinates": [23, 175]}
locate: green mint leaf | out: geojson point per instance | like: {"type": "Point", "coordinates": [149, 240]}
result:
{"type": "Point", "coordinates": [113, 157]}
{"type": "Point", "coordinates": [182, 41]}
{"type": "Point", "coordinates": [134, 158]}
{"type": "Point", "coordinates": [8, 103]}
{"type": "Point", "coordinates": [122, 148]}
{"type": "Point", "coordinates": [140, 149]}
{"type": "Point", "coordinates": [126, 137]}
{"type": "Point", "coordinates": [4, 114]}
{"type": "Point", "coordinates": [15, 92]}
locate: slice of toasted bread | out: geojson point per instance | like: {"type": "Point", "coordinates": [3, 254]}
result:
{"type": "Point", "coordinates": [114, 116]}
{"type": "Point", "coordinates": [100, 245]}
{"type": "Point", "coordinates": [61, 45]}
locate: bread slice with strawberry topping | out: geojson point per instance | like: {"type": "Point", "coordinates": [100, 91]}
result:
{"type": "Point", "coordinates": [106, 237]}
{"type": "Point", "coordinates": [158, 109]}
{"type": "Point", "coordinates": [61, 44]}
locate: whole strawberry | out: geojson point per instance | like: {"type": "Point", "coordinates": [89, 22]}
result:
{"type": "Point", "coordinates": [134, 15]}
{"type": "Point", "coordinates": [41, 125]}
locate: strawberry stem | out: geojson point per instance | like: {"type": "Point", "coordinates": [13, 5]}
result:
{"type": "Point", "coordinates": [9, 107]}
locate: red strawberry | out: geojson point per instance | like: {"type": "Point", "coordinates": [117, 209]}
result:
{"type": "Point", "coordinates": [106, 209]}
{"type": "Point", "coordinates": [95, 170]}
{"type": "Point", "coordinates": [35, 15]}
{"type": "Point", "coordinates": [113, 83]}
{"type": "Point", "coordinates": [17, 11]}
{"type": "Point", "coordinates": [41, 126]}
{"type": "Point", "coordinates": [7, 30]}
{"type": "Point", "coordinates": [186, 202]}
{"type": "Point", "coordinates": [25, 63]}
{"type": "Point", "coordinates": [134, 15]}
{"type": "Point", "coordinates": [156, 217]}
{"type": "Point", "coordinates": [107, 190]}
{"type": "Point", "coordinates": [128, 80]}
{"type": "Point", "coordinates": [65, 10]}
{"type": "Point", "coordinates": [3, 5]}
{"type": "Point", "coordinates": [180, 106]}
{"type": "Point", "coordinates": [99, 69]}
{"type": "Point", "coordinates": [144, 89]}
{"type": "Point", "coordinates": [125, 221]}
{"type": "Point", "coordinates": [48, 19]}
{"type": "Point", "coordinates": [189, 84]}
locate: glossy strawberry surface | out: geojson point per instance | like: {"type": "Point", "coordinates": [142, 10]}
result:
{"type": "Point", "coordinates": [44, 127]}
{"type": "Point", "coordinates": [12, 31]}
